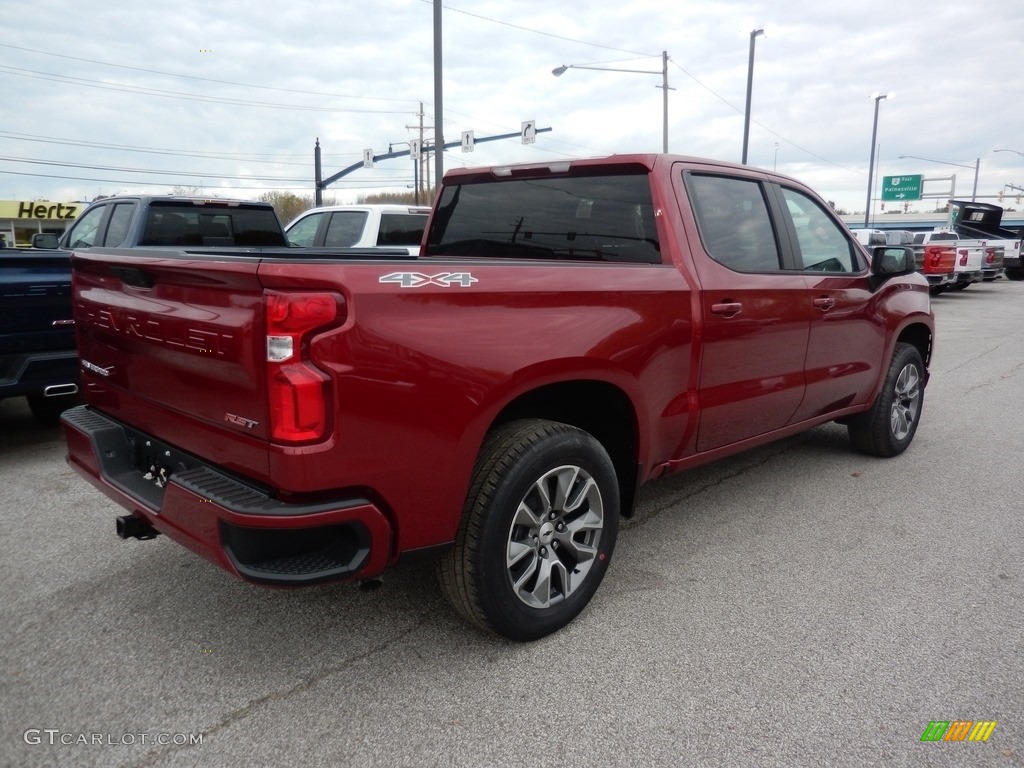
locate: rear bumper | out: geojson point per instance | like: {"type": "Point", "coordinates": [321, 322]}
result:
{"type": "Point", "coordinates": [33, 373]}
{"type": "Point", "coordinates": [240, 527]}
{"type": "Point", "coordinates": [969, 276]}
{"type": "Point", "coordinates": [936, 280]}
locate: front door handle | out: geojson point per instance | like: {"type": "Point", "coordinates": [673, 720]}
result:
{"type": "Point", "coordinates": [824, 303]}
{"type": "Point", "coordinates": [727, 308]}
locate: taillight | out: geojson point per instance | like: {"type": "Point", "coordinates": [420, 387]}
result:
{"type": "Point", "coordinates": [297, 389]}
{"type": "Point", "coordinates": [990, 255]}
{"type": "Point", "coordinates": [963, 258]}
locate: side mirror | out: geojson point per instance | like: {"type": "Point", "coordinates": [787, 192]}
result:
{"type": "Point", "coordinates": [45, 240]}
{"type": "Point", "coordinates": [891, 261]}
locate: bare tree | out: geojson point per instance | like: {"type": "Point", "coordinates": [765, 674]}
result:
{"type": "Point", "coordinates": [402, 198]}
{"type": "Point", "coordinates": [289, 205]}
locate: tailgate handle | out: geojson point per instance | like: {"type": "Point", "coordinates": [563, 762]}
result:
{"type": "Point", "coordinates": [727, 308]}
{"type": "Point", "coordinates": [134, 276]}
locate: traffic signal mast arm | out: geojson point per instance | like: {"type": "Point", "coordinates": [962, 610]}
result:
{"type": "Point", "coordinates": [320, 184]}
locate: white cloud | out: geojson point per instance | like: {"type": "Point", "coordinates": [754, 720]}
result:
{"type": "Point", "coordinates": [353, 76]}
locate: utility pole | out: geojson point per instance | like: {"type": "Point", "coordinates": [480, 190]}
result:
{"type": "Point", "coordinates": [438, 97]}
{"type": "Point", "coordinates": [424, 165]}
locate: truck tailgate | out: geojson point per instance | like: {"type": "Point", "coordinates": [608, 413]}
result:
{"type": "Point", "coordinates": [174, 347]}
{"type": "Point", "coordinates": [35, 296]}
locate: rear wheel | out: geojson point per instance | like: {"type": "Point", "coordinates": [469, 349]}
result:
{"type": "Point", "coordinates": [889, 427]}
{"type": "Point", "coordinates": [537, 532]}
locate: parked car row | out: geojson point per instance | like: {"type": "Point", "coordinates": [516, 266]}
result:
{"type": "Point", "coordinates": [946, 259]}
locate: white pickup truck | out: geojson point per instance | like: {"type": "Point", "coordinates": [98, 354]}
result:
{"type": "Point", "coordinates": [360, 226]}
{"type": "Point", "coordinates": [971, 257]}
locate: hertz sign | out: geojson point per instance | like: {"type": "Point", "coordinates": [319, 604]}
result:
{"type": "Point", "coordinates": [30, 209]}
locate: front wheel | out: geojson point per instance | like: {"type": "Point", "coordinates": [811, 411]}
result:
{"type": "Point", "coordinates": [887, 429]}
{"type": "Point", "coordinates": [537, 531]}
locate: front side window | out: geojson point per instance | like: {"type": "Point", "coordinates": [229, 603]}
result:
{"type": "Point", "coordinates": [83, 235]}
{"type": "Point", "coordinates": [823, 245]}
{"type": "Point", "coordinates": [732, 217]}
{"type": "Point", "coordinates": [303, 232]}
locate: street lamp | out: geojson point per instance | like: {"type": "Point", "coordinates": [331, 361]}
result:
{"type": "Point", "coordinates": [976, 166]}
{"type": "Point", "coordinates": [559, 71]}
{"type": "Point", "coordinates": [871, 162]}
{"type": "Point", "coordinates": [750, 87]}
{"type": "Point", "coordinates": [1009, 150]}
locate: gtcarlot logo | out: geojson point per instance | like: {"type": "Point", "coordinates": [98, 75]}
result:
{"type": "Point", "coordinates": [55, 736]}
{"type": "Point", "coordinates": [958, 730]}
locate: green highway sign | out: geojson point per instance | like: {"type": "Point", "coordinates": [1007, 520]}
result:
{"type": "Point", "coordinates": [901, 187]}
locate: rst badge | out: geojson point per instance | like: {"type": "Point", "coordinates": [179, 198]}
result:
{"type": "Point", "coordinates": [418, 279]}
{"type": "Point", "coordinates": [240, 421]}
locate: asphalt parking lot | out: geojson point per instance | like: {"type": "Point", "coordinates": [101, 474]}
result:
{"type": "Point", "coordinates": [800, 605]}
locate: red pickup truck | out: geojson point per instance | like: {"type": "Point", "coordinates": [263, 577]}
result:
{"type": "Point", "coordinates": [567, 332]}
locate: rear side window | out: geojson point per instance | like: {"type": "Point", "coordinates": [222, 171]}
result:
{"type": "Point", "coordinates": [580, 218]}
{"type": "Point", "coordinates": [732, 217]}
{"type": "Point", "coordinates": [401, 229]}
{"type": "Point", "coordinates": [345, 228]}
{"type": "Point", "coordinates": [212, 226]}
{"type": "Point", "coordinates": [117, 228]}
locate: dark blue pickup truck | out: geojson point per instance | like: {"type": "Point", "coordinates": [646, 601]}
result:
{"type": "Point", "coordinates": [37, 335]}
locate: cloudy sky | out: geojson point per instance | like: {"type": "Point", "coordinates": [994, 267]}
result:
{"type": "Point", "coordinates": [229, 97]}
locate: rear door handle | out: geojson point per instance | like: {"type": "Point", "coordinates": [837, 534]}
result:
{"type": "Point", "coordinates": [824, 303]}
{"type": "Point", "coordinates": [727, 308]}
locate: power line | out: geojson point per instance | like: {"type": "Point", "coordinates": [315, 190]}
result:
{"type": "Point", "coordinates": [177, 184]}
{"type": "Point", "coordinates": [249, 157]}
{"type": "Point", "coordinates": [203, 79]}
{"type": "Point", "coordinates": [648, 55]}
{"type": "Point", "coordinates": [198, 174]}
{"type": "Point", "coordinates": [85, 82]}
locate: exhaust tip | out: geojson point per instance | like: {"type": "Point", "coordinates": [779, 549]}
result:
{"type": "Point", "coordinates": [60, 390]}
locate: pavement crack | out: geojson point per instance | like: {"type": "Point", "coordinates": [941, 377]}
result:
{"type": "Point", "coordinates": [153, 756]}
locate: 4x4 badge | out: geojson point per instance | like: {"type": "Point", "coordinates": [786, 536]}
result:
{"type": "Point", "coordinates": [418, 279]}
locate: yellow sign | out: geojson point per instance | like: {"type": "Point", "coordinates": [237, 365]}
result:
{"type": "Point", "coordinates": [44, 209]}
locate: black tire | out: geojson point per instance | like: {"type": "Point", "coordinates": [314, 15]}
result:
{"type": "Point", "coordinates": [47, 410]}
{"type": "Point", "coordinates": [935, 290]}
{"type": "Point", "coordinates": [959, 286]}
{"type": "Point", "coordinates": [544, 499]}
{"type": "Point", "coordinates": [889, 427]}
{"type": "Point", "coordinates": [1014, 273]}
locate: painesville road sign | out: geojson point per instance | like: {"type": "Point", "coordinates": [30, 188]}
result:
{"type": "Point", "coordinates": [901, 187]}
